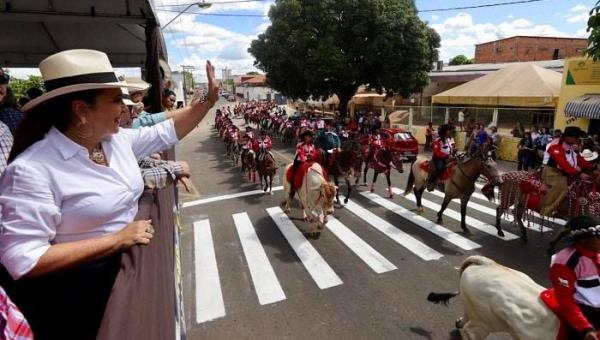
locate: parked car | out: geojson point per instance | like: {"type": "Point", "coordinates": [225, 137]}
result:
{"type": "Point", "coordinates": [231, 98]}
{"type": "Point", "coordinates": [398, 140]}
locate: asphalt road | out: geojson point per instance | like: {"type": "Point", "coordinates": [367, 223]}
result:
{"type": "Point", "coordinates": [244, 280]}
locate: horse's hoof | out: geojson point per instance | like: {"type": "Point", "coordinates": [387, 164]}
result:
{"type": "Point", "coordinates": [439, 221]}
{"type": "Point", "coordinates": [466, 231]}
{"type": "Point", "coordinates": [346, 200]}
{"type": "Point", "coordinates": [459, 324]}
{"type": "Point", "coordinates": [391, 196]}
{"type": "Point", "coordinates": [271, 193]}
{"type": "Point", "coordinates": [317, 236]}
{"type": "Point", "coordinates": [501, 233]}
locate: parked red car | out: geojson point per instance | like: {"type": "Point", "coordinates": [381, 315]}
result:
{"type": "Point", "coordinates": [400, 141]}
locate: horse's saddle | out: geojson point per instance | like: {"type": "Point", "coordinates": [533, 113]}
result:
{"type": "Point", "coordinates": [427, 166]}
{"type": "Point", "coordinates": [300, 173]}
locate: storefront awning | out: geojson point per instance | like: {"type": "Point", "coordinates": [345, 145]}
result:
{"type": "Point", "coordinates": [586, 106]}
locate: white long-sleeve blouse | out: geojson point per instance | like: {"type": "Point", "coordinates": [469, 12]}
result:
{"type": "Point", "coordinates": [53, 192]}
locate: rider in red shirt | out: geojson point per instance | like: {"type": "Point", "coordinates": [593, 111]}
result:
{"type": "Point", "coordinates": [305, 152]}
{"type": "Point", "coordinates": [575, 276]}
{"type": "Point", "coordinates": [264, 144]}
{"type": "Point", "coordinates": [442, 152]}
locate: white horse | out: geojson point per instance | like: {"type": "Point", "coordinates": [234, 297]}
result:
{"type": "Point", "coordinates": [315, 195]}
{"type": "Point", "coordinates": [500, 299]}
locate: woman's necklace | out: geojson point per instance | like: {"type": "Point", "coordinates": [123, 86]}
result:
{"type": "Point", "coordinates": [97, 156]}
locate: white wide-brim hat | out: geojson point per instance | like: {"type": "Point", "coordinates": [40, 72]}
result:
{"type": "Point", "coordinates": [589, 155]}
{"type": "Point", "coordinates": [126, 97]}
{"type": "Point", "coordinates": [77, 70]}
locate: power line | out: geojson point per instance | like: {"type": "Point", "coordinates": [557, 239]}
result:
{"type": "Point", "coordinates": [479, 6]}
{"type": "Point", "coordinates": [213, 3]}
{"type": "Point", "coordinates": [519, 2]}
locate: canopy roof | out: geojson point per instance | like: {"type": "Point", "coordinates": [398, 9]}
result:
{"type": "Point", "coordinates": [586, 106]}
{"type": "Point", "coordinates": [520, 85]}
{"type": "Point", "coordinates": [34, 29]}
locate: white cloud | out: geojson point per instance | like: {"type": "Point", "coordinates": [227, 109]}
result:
{"type": "Point", "coordinates": [582, 33]}
{"type": "Point", "coordinates": [262, 27]}
{"type": "Point", "coordinates": [461, 33]}
{"type": "Point", "coordinates": [579, 8]}
{"type": "Point", "coordinates": [435, 18]}
{"type": "Point", "coordinates": [581, 17]}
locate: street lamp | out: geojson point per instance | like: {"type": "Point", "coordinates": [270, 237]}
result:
{"type": "Point", "coordinates": [201, 5]}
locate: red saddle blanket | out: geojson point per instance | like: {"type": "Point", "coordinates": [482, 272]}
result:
{"type": "Point", "coordinates": [535, 189]}
{"type": "Point", "coordinates": [302, 170]}
{"type": "Point", "coordinates": [548, 296]}
{"type": "Point", "coordinates": [447, 174]}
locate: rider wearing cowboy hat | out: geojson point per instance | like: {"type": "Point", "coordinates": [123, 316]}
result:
{"type": "Point", "coordinates": [305, 152]}
{"type": "Point", "coordinates": [561, 162]}
{"type": "Point", "coordinates": [575, 276]}
{"type": "Point", "coordinates": [442, 152]}
{"type": "Point", "coordinates": [265, 144]}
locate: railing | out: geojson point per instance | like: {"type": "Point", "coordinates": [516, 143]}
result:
{"type": "Point", "coordinates": [143, 301]}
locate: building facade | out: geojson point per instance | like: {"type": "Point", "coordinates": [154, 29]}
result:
{"type": "Point", "coordinates": [524, 48]}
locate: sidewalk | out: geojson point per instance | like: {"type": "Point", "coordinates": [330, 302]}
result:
{"type": "Point", "coordinates": [503, 166]}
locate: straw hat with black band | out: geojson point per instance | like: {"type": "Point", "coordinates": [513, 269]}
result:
{"type": "Point", "coordinates": [77, 70]}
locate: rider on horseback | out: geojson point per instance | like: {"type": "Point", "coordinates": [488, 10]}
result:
{"type": "Point", "coordinates": [305, 152]}
{"type": "Point", "coordinates": [329, 142]}
{"type": "Point", "coordinates": [248, 141]}
{"type": "Point", "coordinates": [443, 151]}
{"type": "Point", "coordinates": [561, 162]}
{"type": "Point", "coordinates": [375, 144]}
{"type": "Point", "coordinates": [575, 276]}
{"type": "Point", "coordinates": [264, 145]}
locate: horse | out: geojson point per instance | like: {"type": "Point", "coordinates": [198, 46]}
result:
{"type": "Point", "coordinates": [347, 163]}
{"type": "Point", "coordinates": [460, 184]}
{"type": "Point", "coordinates": [500, 299]}
{"type": "Point", "coordinates": [315, 194]}
{"type": "Point", "coordinates": [288, 135]}
{"type": "Point", "coordinates": [524, 190]}
{"type": "Point", "coordinates": [234, 151]}
{"type": "Point", "coordinates": [249, 164]}
{"type": "Point", "coordinates": [267, 168]}
{"type": "Point", "coordinates": [382, 162]}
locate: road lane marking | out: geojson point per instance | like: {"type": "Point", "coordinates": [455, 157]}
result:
{"type": "Point", "coordinates": [455, 215]}
{"type": "Point", "coordinates": [209, 298]}
{"type": "Point", "coordinates": [558, 221]}
{"type": "Point", "coordinates": [265, 281]}
{"type": "Point", "coordinates": [446, 234]}
{"type": "Point", "coordinates": [227, 197]}
{"type": "Point", "coordinates": [492, 212]}
{"type": "Point", "coordinates": [316, 266]}
{"type": "Point", "coordinates": [402, 238]}
{"type": "Point", "coordinates": [362, 249]}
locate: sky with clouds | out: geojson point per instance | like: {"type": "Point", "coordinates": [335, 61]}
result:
{"type": "Point", "coordinates": [193, 38]}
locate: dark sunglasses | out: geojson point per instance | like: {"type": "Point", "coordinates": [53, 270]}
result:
{"type": "Point", "coordinates": [4, 78]}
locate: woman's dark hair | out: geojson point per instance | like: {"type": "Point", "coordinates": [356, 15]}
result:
{"type": "Point", "coordinates": [168, 93]}
{"type": "Point", "coordinates": [9, 101]}
{"type": "Point", "coordinates": [38, 121]}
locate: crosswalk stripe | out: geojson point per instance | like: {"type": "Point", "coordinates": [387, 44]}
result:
{"type": "Point", "coordinates": [209, 298]}
{"type": "Point", "coordinates": [362, 249]}
{"type": "Point", "coordinates": [402, 238]}
{"type": "Point", "coordinates": [226, 197]}
{"type": "Point", "coordinates": [492, 212]}
{"type": "Point", "coordinates": [265, 281]}
{"type": "Point", "coordinates": [316, 266]}
{"type": "Point", "coordinates": [470, 221]}
{"type": "Point", "coordinates": [424, 223]}
{"type": "Point", "coordinates": [558, 221]}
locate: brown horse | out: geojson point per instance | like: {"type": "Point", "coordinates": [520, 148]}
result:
{"type": "Point", "coordinates": [383, 161]}
{"type": "Point", "coordinates": [249, 164]}
{"type": "Point", "coordinates": [511, 195]}
{"type": "Point", "coordinates": [460, 185]}
{"type": "Point", "coordinates": [267, 168]}
{"type": "Point", "coordinates": [347, 163]}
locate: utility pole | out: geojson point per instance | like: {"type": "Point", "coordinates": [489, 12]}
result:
{"type": "Point", "coordinates": [187, 69]}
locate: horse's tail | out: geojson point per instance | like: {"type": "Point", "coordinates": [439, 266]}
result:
{"type": "Point", "coordinates": [410, 182]}
{"type": "Point", "coordinates": [444, 298]}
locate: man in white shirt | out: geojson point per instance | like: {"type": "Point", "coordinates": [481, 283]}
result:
{"type": "Point", "coordinates": [6, 142]}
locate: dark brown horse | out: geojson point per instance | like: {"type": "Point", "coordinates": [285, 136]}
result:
{"type": "Point", "coordinates": [383, 161]}
{"type": "Point", "coordinates": [267, 168]}
{"type": "Point", "coordinates": [347, 164]}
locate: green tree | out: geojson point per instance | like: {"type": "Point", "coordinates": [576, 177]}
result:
{"type": "Point", "coordinates": [20, 86]}
{"type": "Point", "coordinates": [594, 30]}
{"type": "Point", "coordinates": [460, 59]}
{"type": "Point", "coordinates": [321, 47]}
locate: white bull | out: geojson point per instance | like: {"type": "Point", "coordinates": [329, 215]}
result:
{"type": "Point", "coordinates": [499, 299]}
{"type": "Point", "coordinates": [315, 195]}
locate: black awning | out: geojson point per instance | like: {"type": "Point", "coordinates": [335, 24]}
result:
{"type": "Point", "coordinates": [586, 106]}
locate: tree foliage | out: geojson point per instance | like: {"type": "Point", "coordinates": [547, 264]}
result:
{"type": "Point", "coordinates": [20, 86]}
{"type": "Point", "coordinates": [594, 30]}
{"type": "Point", "coordinates": [460, 59]}
{"type": "Point", "coordinates": [321, 47]}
